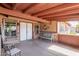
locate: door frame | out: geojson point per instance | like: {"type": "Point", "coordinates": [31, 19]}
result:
{"type": "Point", "coordinates": [26, 30]}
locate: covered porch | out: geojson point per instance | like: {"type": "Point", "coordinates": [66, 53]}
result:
{"type": "Point", "coordinates": [48, 29]}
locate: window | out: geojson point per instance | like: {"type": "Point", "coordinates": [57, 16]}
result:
{"type": "Point", "coordinates": [68, 27]}
{"type": "Point", "coordinates": [10, 29]}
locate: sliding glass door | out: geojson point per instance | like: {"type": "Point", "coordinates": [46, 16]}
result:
{"type": "Point", "coordinates": [22, 31]}
{"type": "Point", "coordinates": [25, 31]}
{"type": "Point", "coordinates": [29, 31]}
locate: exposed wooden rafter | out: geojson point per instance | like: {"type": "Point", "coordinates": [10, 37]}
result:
{"type": "Point", "coordinates": [47, 11]}
{"type": "Point", "coordinates": [20, 15]}
{"type": "Point", "coordinates": [60, 8]}
{"type": "Point", "coordinates": [21, 6]}
{"type": "Point", "coordinates": [50, 6]}
{"type": "Point", "coordinates": [15, 6]}
{"type": "Point", "coordinates": [66, 17]}
{"type": "Point", "coordinates": [74, 11]}
{"type": "Point", "coordinates": [6, 5]}
{"type": "Point", "coordinates": [30, 6]}
{"type": "Point", "coordinates": [41, 7]}
{"type": "Point", "coordinates": [76, 16]}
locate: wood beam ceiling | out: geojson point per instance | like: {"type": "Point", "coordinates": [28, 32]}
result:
{"type": "Point", "coordinates": [21, 6]}
{"type": "Point", "coordinates": [15, 6]}
{"type": "Point", "coordinates": [20, 15]}
{"type": "Point", "coordinates": [69, 16]}
{"type": "Point", "coordinates": [41, 7]}
{"type": "Point", "coordinates": [74, 11]}
{"type": "Point", "coordinates": [30, 6]}
{"type": "Point", "coordinates": [6, 5]}
{"type": "Point", "coordinates": [42, 10]}
{"type": "Point", "coordinates": [59, 8]}
{"type": "Point", "coordinates": [49, 8]}
{"type": "Point", "coordinates": [66, 17]}
{"type": "Point", "coordinates": [73, 15]}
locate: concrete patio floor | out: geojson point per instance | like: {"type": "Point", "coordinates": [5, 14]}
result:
{"type": "Point", "coordinates": [41, 48]}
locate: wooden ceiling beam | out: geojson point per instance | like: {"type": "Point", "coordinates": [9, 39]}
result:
{"type": "Point", "coordinates": [6, 5]}
{"type": "Point", "coordinates": [21, 6]}
{"type": "Point", "coordinates": [70, 17]}
{"type": "Point", "coordinates": [16, 5]}
{"type": "Point", "coordinates": [29, 7]}
{"type": "Point", "coordinates": [67, 17]}
{"type": "Point", "coordinates": [74, 11]}
{"type": "Point", "coordinates": [60, 8]}
{"type": "Point", "coordinates": [41, 7]}
{"type": "Point", "coordinates": [21, 15]}
{"type": "Point", "coordinates": [51, 6]}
